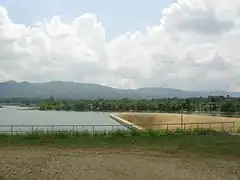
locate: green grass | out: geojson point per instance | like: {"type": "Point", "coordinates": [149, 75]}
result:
{"type": "Point", "coordinates": [200, 141]}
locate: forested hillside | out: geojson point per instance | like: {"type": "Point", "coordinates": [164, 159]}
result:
{"type": "Point", "coordinates": [73, 91]}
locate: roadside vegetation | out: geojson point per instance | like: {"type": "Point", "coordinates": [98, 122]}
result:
{"type": "Point", "coordinates": [199, 141]}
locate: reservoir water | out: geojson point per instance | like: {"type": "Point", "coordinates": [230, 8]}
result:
{"type": "Point", "coordinates": [22, 120]}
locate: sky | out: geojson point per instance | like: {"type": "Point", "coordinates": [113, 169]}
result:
{"type": "Point", "coordinates": [185, 44]}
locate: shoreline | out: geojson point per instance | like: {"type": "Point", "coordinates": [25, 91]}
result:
{"type": "Point", "coordinates": [143, 112]}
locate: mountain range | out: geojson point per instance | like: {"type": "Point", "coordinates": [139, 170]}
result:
{"type": "Point", "coordinates": [72, 90]}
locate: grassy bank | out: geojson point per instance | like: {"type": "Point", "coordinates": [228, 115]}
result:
{"type": "Point", "coordinates": [202, 142]}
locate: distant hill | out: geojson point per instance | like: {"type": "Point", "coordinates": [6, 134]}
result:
{"type": "Point", "coordinates": [71, 90]}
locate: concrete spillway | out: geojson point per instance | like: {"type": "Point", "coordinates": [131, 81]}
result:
{"type": "Point", "coordinates": [125, 122]}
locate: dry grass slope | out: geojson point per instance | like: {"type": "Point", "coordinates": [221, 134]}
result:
{"type": "Point", "coordinates": [157, 120]}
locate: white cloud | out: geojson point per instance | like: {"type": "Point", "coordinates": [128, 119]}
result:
{"type": "Point", "coordinates": [194, 46]}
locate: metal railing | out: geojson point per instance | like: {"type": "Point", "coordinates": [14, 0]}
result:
{"type": "Point", "coordinates": [221, 126]}
{"type": "Point", "coordinates": [55, 128]}
{"type": "Point", "coordinates": [214, 113]}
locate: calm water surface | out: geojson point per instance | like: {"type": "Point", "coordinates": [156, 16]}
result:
{"type": "Point", "coordinates": [12, 115]}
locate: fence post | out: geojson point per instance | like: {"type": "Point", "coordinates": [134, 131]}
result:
{"type": "Point", "coordinates": [210, 126]}
{"type": "Point", "coordinates": [11, 129]}
{"type": "Point", "coordinates": [52, 128]}
{"type": "Point", "coordinates": [73, 128]}
{"type": "Point", "coordinates": [167, 127]}
{"type": "Point", "coordinates": [32, 129]}
{"type": "Point", "coordinates": [197, 126]}
{"type": "Point", "coordinates": [93, 128]}
{"type": "Point", "coordinates": [222, 127]}
{"type": "Point", "coordinates": [181, 118]}
{"type": "Point", "coordinates": [112, 128]}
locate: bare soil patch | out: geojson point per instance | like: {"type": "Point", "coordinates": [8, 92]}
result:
{"type": "Point", "coordinates": [157, 120]}
{"type": "Point", "coordinates": [33, 163]}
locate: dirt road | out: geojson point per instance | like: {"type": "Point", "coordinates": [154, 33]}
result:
{"type": "Point", "coordinates": [42, 163]}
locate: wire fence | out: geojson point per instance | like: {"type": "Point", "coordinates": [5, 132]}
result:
{"type": "Point", "coordinates": [214, 113]}
{"type": "Point", "coordinates": [218, 126]}
{"type": "Point", "coordinates": [13, 129]}
{"type": "Point", "coordinates": [56, 128]}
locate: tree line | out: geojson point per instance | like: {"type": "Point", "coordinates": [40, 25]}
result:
{"type": "Point", "coordinates": [209, 104]}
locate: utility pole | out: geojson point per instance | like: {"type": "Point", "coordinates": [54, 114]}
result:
{"type": "Point", "coordinates": [181, 117]}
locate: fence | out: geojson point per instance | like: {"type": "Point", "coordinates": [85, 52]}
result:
{"type": "Point", "coordinates": [218, 126]}
{"type": "Point", "coordinates": [54, 128]}
{"type": "Point", "coordinates": [214, 113]}
{"type": "Point", "coordinates": [222, 126]}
